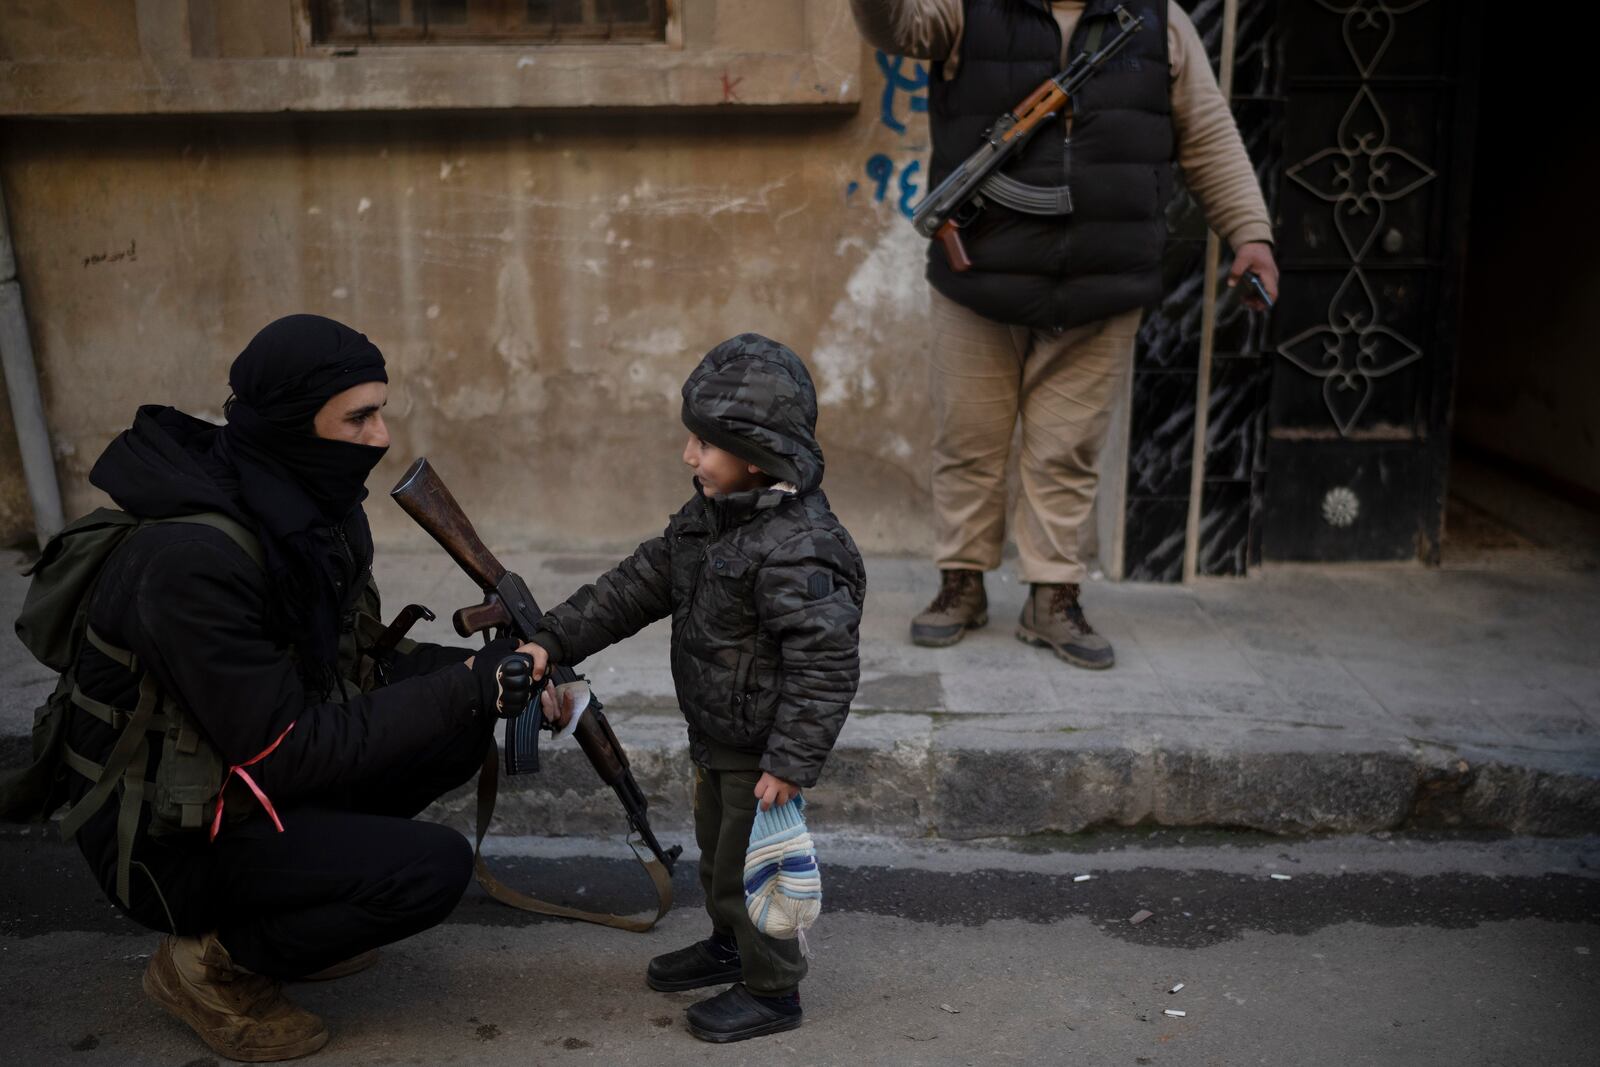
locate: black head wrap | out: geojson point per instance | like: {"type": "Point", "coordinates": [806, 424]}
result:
{"type": "Point", "coordinates": [305, 491]}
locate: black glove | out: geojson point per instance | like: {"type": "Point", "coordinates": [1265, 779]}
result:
{"type": "Point", "coordinates": [486, 670]}
{"type": "Point", "coordinates": [516, 685]}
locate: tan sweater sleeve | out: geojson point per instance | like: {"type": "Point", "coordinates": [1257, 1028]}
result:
{"type": "Point", "coordinates": [1210, 150]}
{"type": "Point", "coordinates": [917, 29]}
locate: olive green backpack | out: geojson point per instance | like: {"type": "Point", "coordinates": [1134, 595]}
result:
{"type": "Point", "coordinates": [54, 625]}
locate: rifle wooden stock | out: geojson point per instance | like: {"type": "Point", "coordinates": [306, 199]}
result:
{"type": "Point", "coordinates": [424, 497]}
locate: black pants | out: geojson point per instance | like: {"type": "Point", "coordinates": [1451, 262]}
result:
{"type": "Point", "coordinates": [345, 875]}
{"type": "Point", "coordinates": [724, 810]}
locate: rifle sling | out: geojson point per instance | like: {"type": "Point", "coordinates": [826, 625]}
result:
{"type": "Point", "coordinates": [488, 789]}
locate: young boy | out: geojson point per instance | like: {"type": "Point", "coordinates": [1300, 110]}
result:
{"type": "Point", "coordinates": [765, 588]}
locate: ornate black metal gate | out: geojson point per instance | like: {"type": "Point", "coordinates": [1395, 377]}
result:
{"type": "Point", "coordinates": [1327, 435]}
{"type": "Point", "coordinates": [1371, 232]}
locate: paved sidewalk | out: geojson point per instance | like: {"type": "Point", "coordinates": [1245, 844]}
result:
{"type": "Point", "coordinates": [1300, 699]}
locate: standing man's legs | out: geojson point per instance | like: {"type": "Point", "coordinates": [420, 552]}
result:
{"type": "Point", "coordinates": [976, 383]}
{"type": "Point", "coordinates": [1070, 383]}
{"type": "Point", "coordinates": [975, 377]}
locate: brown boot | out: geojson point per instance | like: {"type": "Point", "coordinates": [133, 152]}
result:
{"type": "Point", "coordinates": [344, 968]}
{"type": "Point", "coordinates": [1052, 618]}
{"type": "Point", "coordinates": [241, 1015]}
{"type": "Point", "coordinates": [960, 606]}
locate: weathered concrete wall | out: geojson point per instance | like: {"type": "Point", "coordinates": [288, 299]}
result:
{"type": "Point", "coordinates": [540, 285]}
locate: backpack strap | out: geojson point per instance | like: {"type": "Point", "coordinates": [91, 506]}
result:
{"type": "Point", "coordinates": [119, 764]}
{"type": "Point", "coordinates": [236, 532]}
{"type": "Point", "coordinates": [117, 655]}
{"type": "Point", "coordinates": [129, 759]}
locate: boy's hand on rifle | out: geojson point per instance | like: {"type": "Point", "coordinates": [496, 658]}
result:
{"type": "Point", "coordinates": [541, 658]}
{"type": "Point", "coordinates": [773, 790]}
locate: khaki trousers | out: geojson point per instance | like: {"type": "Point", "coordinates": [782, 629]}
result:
{"type": "Point", "coordinates": [985, 375]}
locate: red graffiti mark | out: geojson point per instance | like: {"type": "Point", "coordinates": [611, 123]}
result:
{"type": "Point", "coordinates": [728, 87]}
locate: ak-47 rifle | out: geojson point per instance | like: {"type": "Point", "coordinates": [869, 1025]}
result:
{"type": "Point", "coordinates": [509, 607]}
{"type": "Point", "coordinates": [956, 202]}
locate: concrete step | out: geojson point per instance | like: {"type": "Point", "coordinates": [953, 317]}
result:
{"type": "Point", "coordinates": [967, 777]}
{"type": "Point", "coordinates": [1315, 699]}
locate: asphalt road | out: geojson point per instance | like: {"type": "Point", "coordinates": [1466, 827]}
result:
{"type": "Point", "coordinates": [1372, 951]}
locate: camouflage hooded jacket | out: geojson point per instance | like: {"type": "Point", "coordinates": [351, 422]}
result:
{"type": "Point", "coordinates": [764, 587]}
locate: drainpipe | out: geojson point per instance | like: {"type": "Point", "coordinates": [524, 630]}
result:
{"type": "Point", "coordinates": [22, 385]}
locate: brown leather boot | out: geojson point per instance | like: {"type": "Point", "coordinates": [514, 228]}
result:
{"type": "Point", "coordinates": [344, 968]}
{"type": "Point", "coordinates": [960, 606]}
{"type": "Point", "coordinates": [1052, 618]}
{"type": "Point", "coordinates": [241, 1015]}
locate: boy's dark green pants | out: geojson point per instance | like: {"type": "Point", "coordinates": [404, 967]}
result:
{"type": "Point", "coordinates": [724, 809]}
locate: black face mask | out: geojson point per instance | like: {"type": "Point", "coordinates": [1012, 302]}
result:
{"type": "Point", "coordinates": [332, 475]}
{"type": "Point", "coordinates": [303, 490]}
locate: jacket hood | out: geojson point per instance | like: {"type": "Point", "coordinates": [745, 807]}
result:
{"type": "Point", "coordinates": [164, 465]}
{"type": "Point", "coordinates": [753, 397]}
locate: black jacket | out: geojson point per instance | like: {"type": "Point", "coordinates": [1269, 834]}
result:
{"type": "Point", "coordinates": [1105, 257]}
{"type": "Point", "coordinates": [765, 587]}
{"type": "Point", "coordinates": [196, 611]}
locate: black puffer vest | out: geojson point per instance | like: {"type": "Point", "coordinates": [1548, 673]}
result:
{"type": "Point", "coordinates": [1053, 272]}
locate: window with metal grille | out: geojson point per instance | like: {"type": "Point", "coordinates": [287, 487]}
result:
{"type": "Point", "coordinates": [487, 21]}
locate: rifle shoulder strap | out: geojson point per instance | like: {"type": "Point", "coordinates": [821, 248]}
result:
{"type": "Point", "coordinates": [488, 788]}
{"type": "Point", "coordinates": [1096, 31]}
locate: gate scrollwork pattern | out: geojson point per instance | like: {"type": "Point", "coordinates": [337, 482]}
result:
{"type": "Point", "coordinates": [1359, 175]}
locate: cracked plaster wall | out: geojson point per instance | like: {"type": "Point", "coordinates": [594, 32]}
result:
{"type": "Point", "coordinates": [540, 285]}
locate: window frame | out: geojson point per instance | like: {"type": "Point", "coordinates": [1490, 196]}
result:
{"type": "Point", "coordinates": [589, 34]}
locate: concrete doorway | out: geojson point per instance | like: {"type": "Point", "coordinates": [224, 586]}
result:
{"type": "Point", "coordinates": [1525, 473]}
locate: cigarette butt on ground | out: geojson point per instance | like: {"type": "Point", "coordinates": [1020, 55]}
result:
{"type": "Point", "coordinates": [948, 1008]}
{"type": "Point", "coordinates": [1281, 877]}
{"type": "Point", "coordinates": [1175, 1013]}
{"type": "Point", "coordinates": [1175, 988]}
{"type": "Point", "coordinates": [1082, 877]}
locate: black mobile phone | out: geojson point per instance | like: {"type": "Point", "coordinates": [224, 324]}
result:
{"type": "Point", "coordinates": [1254, 281]}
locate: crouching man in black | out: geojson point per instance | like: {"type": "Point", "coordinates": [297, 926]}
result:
{"type": "Point", "coordinates": [274, 837]}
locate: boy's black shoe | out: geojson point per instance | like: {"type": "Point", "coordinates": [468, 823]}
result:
{"type": "Point", "coordinates": [736, 1014]}
{"type": "Point", "coordinates": [703, 963]}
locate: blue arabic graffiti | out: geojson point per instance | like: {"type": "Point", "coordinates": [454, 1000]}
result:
{"type": "Point", "coordinates": [908, 188]}
{"type": "Point", "coordinates": [880, 168]}
{"type": "Point", "coordinates": [895, 83]}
